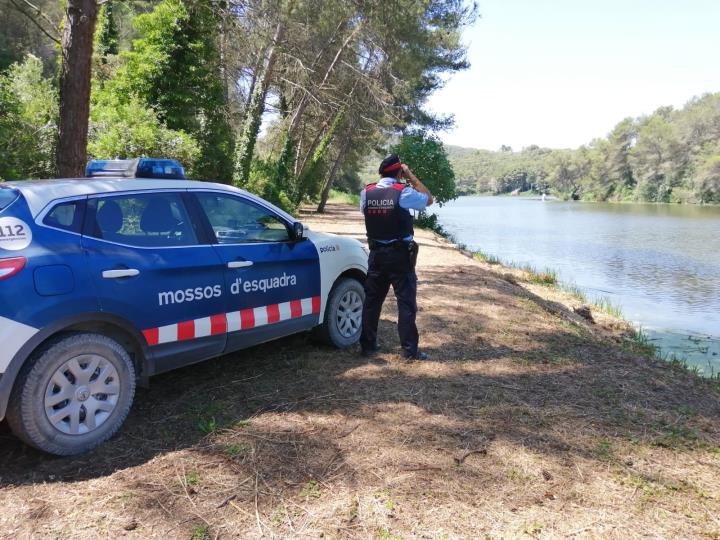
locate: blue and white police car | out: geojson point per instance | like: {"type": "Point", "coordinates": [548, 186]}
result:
{"type": "Point", "coordinates": [109, 280]}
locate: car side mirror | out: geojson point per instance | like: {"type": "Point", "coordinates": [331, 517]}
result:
{"type": "Point", "coordinates": [298, 232]}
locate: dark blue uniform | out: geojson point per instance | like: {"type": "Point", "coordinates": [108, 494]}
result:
{"type": "Point", "coordinates": [389, 226]}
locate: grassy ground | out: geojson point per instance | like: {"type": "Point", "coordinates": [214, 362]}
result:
{"type": "Point", "coordinates": [341, 197]}
{"type": "Point", "coordinates": [526, 422]}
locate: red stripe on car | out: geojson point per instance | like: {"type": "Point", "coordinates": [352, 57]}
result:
{"type": "Point", "coordinates": [247, 319]}
{"type": "Point", "coordinates": [186, 330]}
{"type": "Point", "coordinates": [273, 313]}
{"type": "Point", "coordinates": [152, 336]}
{"type": "Point", "coordinates": [218, 324]}
{"type": "Point", "coordinates": [295, 308]}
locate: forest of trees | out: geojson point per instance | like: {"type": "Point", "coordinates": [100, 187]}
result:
{"type": "Point", "coordinates": [668, 156]}
{"type": "Point", "coordinates": [281, 97]}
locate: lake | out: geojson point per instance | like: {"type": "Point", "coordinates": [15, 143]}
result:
{"type": "Point", "coordinates": [659, 263]}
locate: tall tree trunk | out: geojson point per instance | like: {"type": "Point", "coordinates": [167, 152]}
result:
{"type": "Point", "coordinates": [253, 115]}
{"type": "Point", "coordinates": [222, 64]}
{"type": "Point", "coordinates": [298, 153]}
{"type": "Point", "coordinates": [76, 55]}
{"type": "Point", "coordinates": [307, 179]}
{"type": "Point", "coordinates": [253, 81]}
{"type": "Point", "coordinates": [331, 175]}
{"type": "Point", "coordinates": [310, 149]}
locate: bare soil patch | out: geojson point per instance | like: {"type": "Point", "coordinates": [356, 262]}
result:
{"type": "Point", "coordinates": [527, 421]}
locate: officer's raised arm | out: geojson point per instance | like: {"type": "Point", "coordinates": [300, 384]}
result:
{"type": "Point", "coordinates": [415, 183]}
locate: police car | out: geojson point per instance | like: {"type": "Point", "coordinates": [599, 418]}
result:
{"type": "Point", "coordinates": [109, 280]}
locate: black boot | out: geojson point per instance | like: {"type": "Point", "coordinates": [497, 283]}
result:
{"type": "Point", "coordinates": [369, 351]}
{"type": "Point", "coordinates": [419, 355]}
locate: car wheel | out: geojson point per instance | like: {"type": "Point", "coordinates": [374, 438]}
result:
{"type": "Point", "coordinates": [74, 395]}
{"type": "Point", "coordinates": [343, 314]}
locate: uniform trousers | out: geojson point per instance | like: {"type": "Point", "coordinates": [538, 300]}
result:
{"type": "Point", "coordinates": [390, 265]}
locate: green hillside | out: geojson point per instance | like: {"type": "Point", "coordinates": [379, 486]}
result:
{"type": "Point", "coordinates": [668, 156]}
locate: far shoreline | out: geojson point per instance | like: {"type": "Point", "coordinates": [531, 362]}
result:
{"type": "Point", "coordinates": [532, 196]}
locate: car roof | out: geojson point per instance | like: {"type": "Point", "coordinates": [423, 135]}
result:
{"type": "Point", "coordinates": [40, 193]}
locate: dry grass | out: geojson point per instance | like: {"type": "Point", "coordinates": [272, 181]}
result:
{"type": "Point", "coordinates": [526, 422]}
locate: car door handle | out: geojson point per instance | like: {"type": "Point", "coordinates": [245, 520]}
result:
{"type": "Point", "coordinates": [239, 264]}
{"type": "Point", "coordinates": [125, 272]}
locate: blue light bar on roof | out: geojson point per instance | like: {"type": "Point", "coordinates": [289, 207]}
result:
{"type": "Point", "coordinates": [168, 169]}
{"type": "Point", "coordinates": [159, 168]}
{"type": "Point", "coordinates": [108, 167]}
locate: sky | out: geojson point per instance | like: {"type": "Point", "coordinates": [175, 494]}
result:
{"type": "Point", "coordinates": [559, 73]}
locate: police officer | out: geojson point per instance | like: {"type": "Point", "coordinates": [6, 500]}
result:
{"type": "Point", "coordinates": [389, 225]}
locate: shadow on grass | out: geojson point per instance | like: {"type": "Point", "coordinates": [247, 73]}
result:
{"type": "Point", "coordinates": [183, 408]}
{"type": "Point", "coordinates": [558, 398]}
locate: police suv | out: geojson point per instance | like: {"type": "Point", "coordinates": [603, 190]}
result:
{"type": "Point", "coordinates": [109, 280]}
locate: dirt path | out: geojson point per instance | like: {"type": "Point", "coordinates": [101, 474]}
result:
{"type": "Point", "coordinates": [527, 421]}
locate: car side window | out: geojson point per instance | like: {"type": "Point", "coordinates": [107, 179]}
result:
{"type": "Point", "coordinates": [66, 216]}
{"type": "Point", "coordinates": [237, 221]}
{"type": "Point", "coordinates": [144, 220]}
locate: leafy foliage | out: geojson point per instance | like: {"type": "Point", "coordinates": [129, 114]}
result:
{"type": "Point", "coordinates": [345, 79]}
{"type": "Point", "coordinates": [28, 121]}
{"type": "Point", "coordinates": [20, 36]}
{"type": "Point", "coordinates": [707, 181]}
{"type": "Point", "coordinates": [129, 129]}
{"type": "Point", "coordinates": [172, 68]}
{"type": "Point", "coordinates": [196, 80]}
{"type": "Point", "coordinates": [265, 180]}
{"type": "Point", "coordinates": [426, 157]}
{"type": "Point", "coordinates": [106, 35]}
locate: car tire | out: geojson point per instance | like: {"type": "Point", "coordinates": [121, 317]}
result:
{"type": "Point", "coordinates": [73, 395]}
{"type": "Point", "coordinates": [343, 314]}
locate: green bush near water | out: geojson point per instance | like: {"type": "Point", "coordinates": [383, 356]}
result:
{"type": "Point", "coordinates": [541, 277]}
{"type": "Point", "coordinates": [486, 258]}
{"type": "Point", "coordinates": [430, 222]}
{"type": "Point", "coordinates": [604, 304]}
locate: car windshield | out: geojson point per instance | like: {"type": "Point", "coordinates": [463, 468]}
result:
{"type": "Point", "coordinates": [7, 196]}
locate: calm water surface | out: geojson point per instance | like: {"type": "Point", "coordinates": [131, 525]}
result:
{"type": "Point", "coordinates": [659, 263]}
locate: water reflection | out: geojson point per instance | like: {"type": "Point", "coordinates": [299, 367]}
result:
{"type": "Point", "coordinates": [660, 263]}
{"type": "Point", "coordinates": [699, 350]}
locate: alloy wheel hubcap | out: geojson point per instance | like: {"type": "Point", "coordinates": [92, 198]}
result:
{"type": "Point", "coordinates": [82, 394]}
{"type": "Point", "coordinates": [349, 314]}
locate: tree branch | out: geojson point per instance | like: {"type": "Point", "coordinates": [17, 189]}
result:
{"type": "Point", "coordinates": [38, 12]}
{"type": "Point", "coordinates": [302, 88]}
